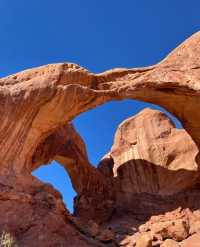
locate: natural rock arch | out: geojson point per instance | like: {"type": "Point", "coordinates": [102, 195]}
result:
{"type": "Point", "coordinates": [39, 101]}
{"type": "Point", "coordinates": [37, 105]}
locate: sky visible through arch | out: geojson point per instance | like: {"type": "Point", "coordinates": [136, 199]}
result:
{"type": "Point", "coordinates": [98, 35]}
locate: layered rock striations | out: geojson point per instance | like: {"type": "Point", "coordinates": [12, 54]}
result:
{"type": "Point", "coordinates": [161, 157]}
{"type": "Point", "coordinates": [150, 155]}
{"type": "Point", "coordinates": [155, 181]}
{"type": "Point", "coordinates": [152, 168]}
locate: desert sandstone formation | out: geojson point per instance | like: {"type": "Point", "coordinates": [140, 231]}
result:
{"type": "Point", "coordinates": [152, 168]}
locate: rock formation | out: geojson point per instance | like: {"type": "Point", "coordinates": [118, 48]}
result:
{"type": "Point", "coordinates": [150, 155]}
{"type": "Point", "coordinates": [155, 175]}
{"type": "Point", "coordinates": [152, 168]}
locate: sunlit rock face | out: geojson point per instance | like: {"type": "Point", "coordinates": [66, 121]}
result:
{"type": "Point", "coordinates": [152, 168]}
{"type": "Point", "coordinates": [151, 155]}
{"type": "Point", "coordinates": [150, 164]}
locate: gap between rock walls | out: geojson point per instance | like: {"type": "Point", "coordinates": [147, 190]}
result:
{"type": "Point", "coordinates": [98, 136]}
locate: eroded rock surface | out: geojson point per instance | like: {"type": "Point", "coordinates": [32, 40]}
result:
{"type": "Point", "coordinates": [152, 168]}
{"type": "Point", "coordinates": [151, 155]}
{"type": "Point", "coordinates": [155, 178]}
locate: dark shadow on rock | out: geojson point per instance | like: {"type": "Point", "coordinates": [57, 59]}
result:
{"type": "Point", "coordinates": [143, 189]}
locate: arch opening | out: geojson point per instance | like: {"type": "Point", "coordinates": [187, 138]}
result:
{"type": "Point", "coordinates": [54, 174]}
{"type": "Point", "coordinates": [97, 127]}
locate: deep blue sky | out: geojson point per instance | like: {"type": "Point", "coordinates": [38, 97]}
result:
{"type": "Point", "coordinates": [98, 35]}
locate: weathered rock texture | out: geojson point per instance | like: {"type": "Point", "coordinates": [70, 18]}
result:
{"type": "Point", "coordinates": [150, 155]}
{"type": "Point", "coordinates": [152, 167]}
{"type": "Point", "coordinates": [153, 171]}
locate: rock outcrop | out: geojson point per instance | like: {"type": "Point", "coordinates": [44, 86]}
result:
{"type": "Point", "coordinates": [155, 180]}
{"type": "Point", "coordinates": [152, 168]}
{"type": "Point", "coordinates": [151, 156]}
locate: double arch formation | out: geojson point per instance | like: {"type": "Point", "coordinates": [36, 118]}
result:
{"type": "Point", "coordinates": [36, 106]}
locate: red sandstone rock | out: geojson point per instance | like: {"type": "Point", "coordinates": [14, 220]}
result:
{"type": "Point", "coordinates": [170, 243]}
{"type": "Point", "coordinates": [193, 241]}
{"type": "Point", "coordinates": [150, 155]}
{"type": "Point", "coordinates": [144, 240]}
{"type": "Point", "coordinates": [176, 229]}
{"type": "Point", "coordinates": [106, 235]}
{"type": "Point", "coordinates": [147, 155]}
{"type": "Point", "coordinates": [153, 168]}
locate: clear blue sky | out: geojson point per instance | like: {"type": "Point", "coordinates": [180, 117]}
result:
{"type": "Point", "coordinates": [98, 35]}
